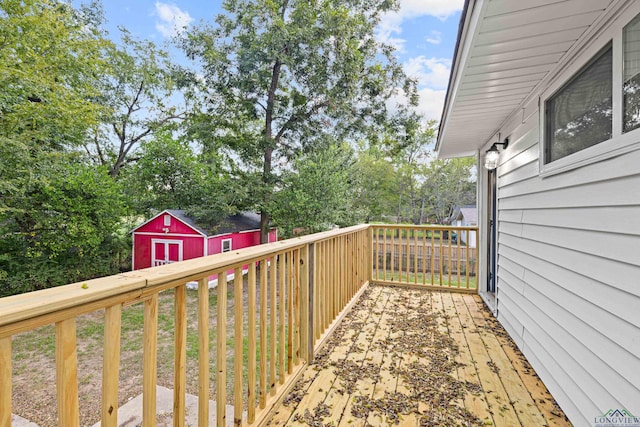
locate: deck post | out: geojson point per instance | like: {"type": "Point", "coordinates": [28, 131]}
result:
{"type": "Point", "coordinates": [368, 276]}
{"type": "Point", "coordinates": [150, 361]}
{"type": "Point", "coordinates": [310, 300]}
{"type": "Point", "coordinates": [5, 382]}
{"type": "Point", "coordinates": [67, 373]}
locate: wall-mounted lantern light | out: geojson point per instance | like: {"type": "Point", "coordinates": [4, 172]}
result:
{"type": "Point", "coordinates": [492, 155]}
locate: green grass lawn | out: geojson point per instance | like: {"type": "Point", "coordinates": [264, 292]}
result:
{"type": "Point", "coordinates": [428, 279]}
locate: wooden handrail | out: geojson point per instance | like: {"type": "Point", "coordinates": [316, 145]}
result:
{"type": "Point", "coordinates": [16, 308]}
{"type": "Point", "coordinates": [424, 227]}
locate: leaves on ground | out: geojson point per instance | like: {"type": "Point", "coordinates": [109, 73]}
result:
{"type": "Point", "coordinates": [420, 355]}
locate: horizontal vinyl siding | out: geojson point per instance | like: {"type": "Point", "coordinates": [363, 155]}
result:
{"type": "Point", "coordinates": [569, 274]}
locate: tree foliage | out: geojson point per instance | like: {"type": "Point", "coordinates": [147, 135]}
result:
{"type": "Point", "coordinates": [449, 183]}
{"type": "Point", "coordinates": [58, 214]}
{"type": "Point", "coordinates": [410, 158]}
{"type": "Point", "coordinates": [375, 191]}
{"type": "Point", "coordinates": [317, 193]}
{"type": "Point", "coordinates": [50, 58]}
{"type": "Point", "coordinates": [170, 175]}
{"type": "Point", "coordinates": [141, 97]}
{"type": "Point", "coordinates": [280, 74]}
{"type": "Point", "coordinates": [59, 219]}
{"type": "Point", "coordinates": [403, 180]}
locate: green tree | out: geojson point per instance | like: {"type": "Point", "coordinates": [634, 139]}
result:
{"type": "Point", "coordinates": [170, 175]}
{"type": "Point", "coordinates": [318, 192]}
{"type": "Point", "coordinates": [402, 178]}
{"type": "Point", "coordinates": [142, 97]}
{"type": "Point", "coordinates": [51, 57]}
{"type": "Point", "coordinates": [59, 219]}
{"type": "Point", "coordinates": [375, 190]}
{"type": "Point", "coordinates": [449, 183]}
{"type": "Point", "coordinates": [280, 74]}
{"type": "Point", "coordinates": [59, 216]}
{"type": "Point", "coordinates": [411, 157]}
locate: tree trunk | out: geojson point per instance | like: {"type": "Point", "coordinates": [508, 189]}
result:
{"type": "Point", "coordinates": [264, 226]}
{"type": "Point", "coordinates": [268, 152]}
{"type": "Point", "coordinates": [265, 217]}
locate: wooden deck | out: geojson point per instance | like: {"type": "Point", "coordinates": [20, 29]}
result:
{"type": "Point", "coordinates": [419, 358]}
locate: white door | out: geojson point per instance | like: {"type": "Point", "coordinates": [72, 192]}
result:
{"type": "Point", "coordinates": [165, 251]}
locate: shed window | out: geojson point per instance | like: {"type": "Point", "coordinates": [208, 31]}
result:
{"type": "Point", "coordinates": [631, 80]}
{"type": "Point", "coordinates": [226, 245]}
{"type": "Point", "coordinates": [579, 115]}
{"type": "Point", "coordinates": [167, 220]}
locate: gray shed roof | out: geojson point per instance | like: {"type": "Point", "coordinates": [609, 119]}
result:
{"type": "Point", "coordinates": [468, 212]}
{"type": "Point", "coordinates": [243, 221]}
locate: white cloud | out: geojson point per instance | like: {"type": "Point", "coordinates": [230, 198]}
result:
{"type": "Point", "coordinates": [434, 38]}
{"type": "Point", "coordinates": [431, 103]}
{"type": "Point", "coordinates": [173, 20]}
{"type": "Point", "coordinates": [429, 72]}
{"type": "Point", "coordinates": [441, 9]}
{"type": "Point", "coordinates": [429, 106]}
{"type": "Point", "coordinates": [391, 24]}
{"type": "Point", "coordinates": [432, 75]}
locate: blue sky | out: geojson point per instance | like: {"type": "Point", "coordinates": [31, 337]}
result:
{"type": "Point", "coordinates": [423, 31]}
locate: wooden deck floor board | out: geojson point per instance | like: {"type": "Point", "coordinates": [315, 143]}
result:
{"type": "Point", "coordinates": [445, 328]}
{"type": "Point", "coordinates": [387, 381]}
{"type": "Point", "coordinates": [320, 384]}
{"type": "Point", "coordinates": [497, 397]}
{"type": "Point", "coordinates": [340, 398]}
{"type": "Point", "coordinates": [519, 397]}
{"type": "Point", "coordinates": [412, 303]}
{"type": "Point", "coordinates": [474, 400]}
{"type": "Point", "coordinates": [539, 393]}
{"type": "Point", "coordinates": [373, 358]}
{"type": "Point", "coordinates": [473, 375]}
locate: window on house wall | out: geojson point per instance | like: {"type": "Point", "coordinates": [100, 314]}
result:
{"type": "Point", "coordinates": [226, 245]}
{"type": "Point", "coordinates": [167, 220]}
{"type": "Point", "coordinates": [631, 75]}
{"type": "Point", "coordinates": [579, 115]}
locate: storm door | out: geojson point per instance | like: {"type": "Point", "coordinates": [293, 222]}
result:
{"type": "Point", "coordinates": [492, 224]}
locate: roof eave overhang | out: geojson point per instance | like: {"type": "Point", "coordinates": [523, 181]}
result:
{"type": "Point", "coordinates": [506, 54]}
{"type": "Point", "coordinates": [456, 67]}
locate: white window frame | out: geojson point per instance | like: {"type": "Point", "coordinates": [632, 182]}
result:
{"type": "Point", "coordinates": [222, 242]}
{"type": "Point", "coordinates": [620, 143]}
{"type": "Point", "coordinates": [167, 220]}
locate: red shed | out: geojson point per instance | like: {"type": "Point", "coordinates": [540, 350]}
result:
{"type": "Point", "coordinates": [172, 236]}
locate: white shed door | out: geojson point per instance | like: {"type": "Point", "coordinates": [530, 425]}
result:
{"type": "Point", "coordinates": [165, 251]}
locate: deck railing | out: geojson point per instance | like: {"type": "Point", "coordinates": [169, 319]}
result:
{"type": "Point", "coordinates": [426, 256]}
{"type": "Point", "coordinates": [296, 291]}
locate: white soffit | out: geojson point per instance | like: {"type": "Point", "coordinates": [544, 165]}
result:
{"type": "Point", "coordinates": [513, 46]}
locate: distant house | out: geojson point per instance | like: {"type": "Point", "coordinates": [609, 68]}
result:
{"type": "Point", "coordinates": [172, 236]}
{"type": "Point", "coordinates": [466, 216]}
{"type": "Point", "coordinates": [545, 94]}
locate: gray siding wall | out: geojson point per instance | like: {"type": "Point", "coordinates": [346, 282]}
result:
{"type": "Point", "coordinates": [569, 274]}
